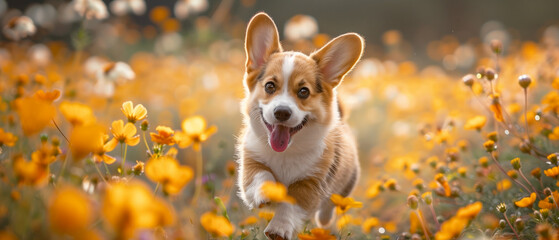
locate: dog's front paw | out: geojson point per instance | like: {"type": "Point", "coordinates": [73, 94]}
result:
{"type": "Point", "coordinates": [279, 230]}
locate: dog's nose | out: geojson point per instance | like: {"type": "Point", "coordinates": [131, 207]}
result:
{"type": "Point", "coordinates": [282, 113]}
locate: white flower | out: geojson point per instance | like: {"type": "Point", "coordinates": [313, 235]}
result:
{"type": "Point", "coordinates": [122, 7]}
{"type": "Point", "coordinates": [91, 9]}
{"type": "Point", "coordinates": [39, 54]}
{"type": "Point", "coordinates": [118, 71]}
{"type": "Point", "coordinates": [19, 27]}
{"type": "Point", "coordinates": [94, 64]}
{"type": "Point", "coordinates": [300, 27]}
{"type": "Point", "coordinates": [183, 8]}
{"type": "Point", "coordinates": [104, 88]}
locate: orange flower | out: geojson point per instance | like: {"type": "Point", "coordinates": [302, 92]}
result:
{"type": "Point", "coordinates": [77, 113]}
{"type": "Point", "coordinates": [134, 114]}
{"type": "Point", "coordinates": [251, 220]}
{"type": "Point", "coordinates": [34, 114]}
{"type": "Point", "coordinates": [70, 212]}
{"type": "Point", "coordinates": [317, 234]}
{"type": "Point", "coordinates": [216, 225]}
{"type": "Point", "coordinates": [470, 211]}
{"type": "Point", "coordinates": [276, 192]}
{"type": "Point", "coordinates": [370, 223]}
{"type": "Point", "coordinates": [107, 146]}
{"type": "Point", "coordinates": [81, 142]}
{"type": "Point", "coordinates": [527, 201]}
{"type": "Point", "coordinates": [552, 172]}
{"type": "Point", "coordinates": [344, 203]}
{"type": "Point", "coordinates": [124, 133]}
{"type": "Point", "coordinates": [47, 96]}
{"type": "Point", "coordinates": [29, 172]}
{"type": "Point", "coordinates": [266, 215]}
{"type": "Point", "coordinates": [167, 171]}
{"type": "Point", "coordinates": [476, 123]}
{"type": "Point", "coordinates": [164, 135]}
{"type": "Point", "coordinates": [194, 132]}
{"type": "Point", "coordinates": [128, 207]}
{"type": "Point", "coordinates": [7, 138]}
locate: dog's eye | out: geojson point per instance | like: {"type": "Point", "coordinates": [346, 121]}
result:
{"type": "Point", "coordinates": [270, 87]}
{"type": "Point", "coordinates": [303, 93]}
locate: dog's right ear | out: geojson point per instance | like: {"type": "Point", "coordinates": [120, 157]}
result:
{"type": "Point", "coordinates": [261, 41]}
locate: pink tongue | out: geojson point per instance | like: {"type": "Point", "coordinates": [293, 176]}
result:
{"type": "Point", "coordinates": [279, 139]}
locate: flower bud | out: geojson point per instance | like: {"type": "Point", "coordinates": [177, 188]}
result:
{"type": "Point", "coordinates": [502, 207]}
{"type": "Point", "coordinates": [519, 224]}
{"type": "Point", "coordinates": [496, 46]}
{"type": "Point", "coordinates": [145, 125]}
{"type": "Point", "coordinates": [545, 213]}
{"type": "Point", "coordinates": [513, 174]}
{"type": "Point", "coordinates": [413, 202]}
{"type": "Point", "coordinates": [536, 173]}
{"type": "Point", "coordinates": [138, 168]}
{"type": "Point", "coordinates": [44, 138]}
{"type": "Point", "coordinates": [490, 74]}
{"type": "Point", "coordinates": [502, 223]}
{"type": "Point", "coordinates": [553, 158]}
{"type": "Point", "coordinates": [468, 80]}
{"type": "Point", "coordinates": [427, 198]}
{"type": "Point", "coordinates": [484, 162]}
{"type": "Point", "coordinates": [538, 215]}
{"type": "Point", "coordinates": [489, 146]}
{"type": "Point", "coordinates": [480, 72]}
{"type": "Point", "coordinates": [525, 147]}
{"type": "Point", "coordinates": [515, 163]}
{"type": "Point", "coordinates": [492, 136]}
{"type": "Point", "coordinates": [524, 81]}
{"type": "Point", "coordinates": [547, 191]}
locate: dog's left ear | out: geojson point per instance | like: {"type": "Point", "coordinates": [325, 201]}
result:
{"type": "Point", "coordinates": [338, 56]}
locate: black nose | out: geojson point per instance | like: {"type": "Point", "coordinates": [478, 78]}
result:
{"type": "Point", "coordinates": [282, 113]}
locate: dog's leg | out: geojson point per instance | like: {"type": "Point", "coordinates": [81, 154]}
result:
{"type": "Point", "coordinates": [289, 218]}
{"type": "Point", "coordinates": [324, 216]}
{"type": "Point", "coordinates": [252, 175]}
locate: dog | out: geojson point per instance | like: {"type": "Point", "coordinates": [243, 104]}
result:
{"type": "Point", "coordinates": [294, 132]}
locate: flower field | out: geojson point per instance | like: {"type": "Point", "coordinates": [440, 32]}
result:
{"type": "Point", "coordinates": [116, 130]}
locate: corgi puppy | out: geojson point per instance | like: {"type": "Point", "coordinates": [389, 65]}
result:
{"type": "Point", "coordinates": [293, 128]}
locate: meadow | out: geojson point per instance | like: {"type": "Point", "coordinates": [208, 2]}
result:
{"type": "Point", "coordinates": [128, 131]}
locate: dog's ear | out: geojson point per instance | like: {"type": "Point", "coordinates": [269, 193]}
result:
{"type": "Point", "coordinates": [261, 41]}
{"type": "Point", "coordinates": [338, 56]}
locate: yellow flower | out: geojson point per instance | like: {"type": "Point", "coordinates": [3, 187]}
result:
{"type": "Point", "coordinates": [476, 123]}
{"type": "Point", "coordinates": [451, 228]}
{"type": "Point", "coordinates": [46, 154]}
{"type": "Point", "coordinates": [164, 135]}
{"type": "Point", "coordinates": [554, 135]}
{"type": "Point", "coordinates": [551, 102]}
{"type": "Point", "coordinates": [30, 172]}
{"type": "Point", "coordinates": [344, 203]}
{"type": "Point", "coordinates": [134, 114]}
{"type": "Point", "coordinates": [128, 207]}
{"type": "Point", "coordinates": [7, 138]}
{"type": "Point", "coordinates": [527, 201]}
{"type": "Point", "coordinates": [496, 107]}
{"type": "Point", "coordinates": [317, 234]}
{"type": "Point", "coordinates": [105, 147]}
{"type": "Point", "coordinates": [373, 190]}
{"type": "Point", "coordinates": [70, 211]}
{"type": "Point", "coordinates": [167, 171]}
{"type": "Point", "coordinates": [503, 185]}
{"type": "Point", "coordinates": [276, 192]}
{"type": "Point", "coordinates": [124, 133]}
{"type": "Point", "coordinates": [346, 220]}
{"type": "Point", "coordinates": [194, 132]}
{"type": "Point", "coordinates": [266, 215]}
{"type": "Point", "coordinates": [470, 211]}
{"type": "Point", "coordinates": [216, 225]}
{"type": "Point", "coordinates": [138, 168]}
{"type": "Point", "coordinates": [552, 172]}
{"type": "Point", "coordinates": [77, 113]}
{"type": "Point", "coordinates": [34, 114]}
{"type": "Point", "coordinates": [47, 96]}
{"type": "Point", "coordinates": [81, 142]}
{"type": "Point", "coordinates": [370, 223]}
{"type": "Point", "coordinates": [248, 221]}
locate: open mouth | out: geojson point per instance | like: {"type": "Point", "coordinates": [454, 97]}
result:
{"type": "Point", "coordinates": [280, 135]}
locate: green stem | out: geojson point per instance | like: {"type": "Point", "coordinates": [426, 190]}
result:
{"type": "Point", "coordinates": [146, 142]}
{"type": "Point", "coordinates": [122, 173]}
{"type": "Point", "coordinates": [504, 172]}
{"type": "Point", "coordinates": [422, 225]}
{"type": "Point", "coordinates": [198, 184]}
{"type": "Point", "coordinates": [100, 174]}
{"type": "Point", "coordinates": [532, 186]}
{"type": "Point", "coordinates": [510, 225]}
{"type": "Point", "coordinates": [526, 114]}
{"type": "Point", "coordinates": [156, 188]}
{"type": "Point", "coordinates": [62, 168]}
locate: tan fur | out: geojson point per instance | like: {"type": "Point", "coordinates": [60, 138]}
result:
{"type": "Point", "coordinates": [336, 168]}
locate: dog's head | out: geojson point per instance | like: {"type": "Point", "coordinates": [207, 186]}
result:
{"type": "Point", "coordinates": [290, 92]}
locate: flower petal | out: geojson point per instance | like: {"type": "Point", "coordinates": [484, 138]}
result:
{"type": "Point", "coordinates": [133, 141]}
{"type": "Point", "coordinates": [127, 108]}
